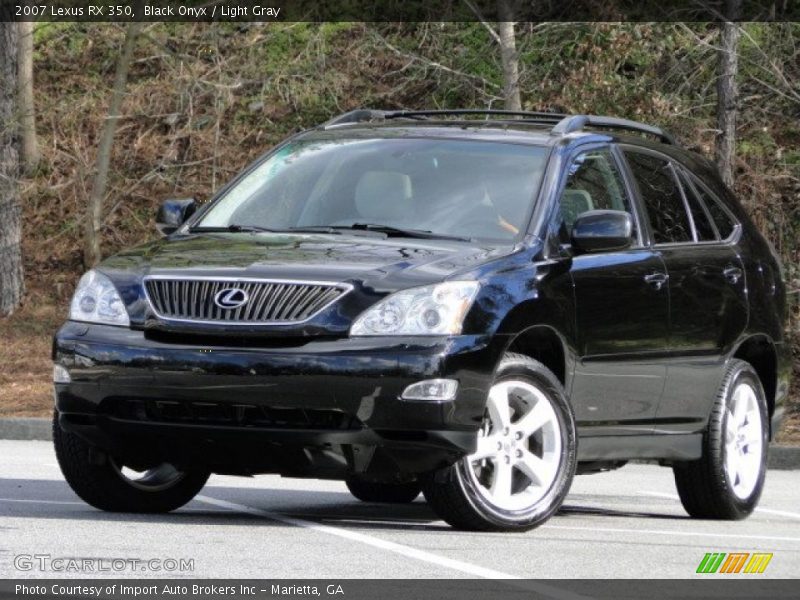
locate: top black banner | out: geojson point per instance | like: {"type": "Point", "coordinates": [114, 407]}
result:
{"type": "Point", "coordinates": [399, 10]}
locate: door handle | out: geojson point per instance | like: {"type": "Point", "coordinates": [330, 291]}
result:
{"type": "Point", "coordinates": [732, 274]}
{"type": "Point", "coordinates": [657, 280]}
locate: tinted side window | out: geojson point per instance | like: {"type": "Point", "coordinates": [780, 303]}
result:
{"type": "Point", "coordinates": [662, 198]}
{"type": "Point", "coordinates": [723, 221]}
{"type": "Point", "coordinates": [702, 224]}
{"type": "Point", "coordinates": [593, 183]}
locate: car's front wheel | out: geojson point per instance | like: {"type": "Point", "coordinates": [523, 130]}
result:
{"type": "Point", "coordinates": [525, 459]}
{"type": "Point", "coordinates": [726, 482]}
{"type": "Point", "coordinates": [108, 484]}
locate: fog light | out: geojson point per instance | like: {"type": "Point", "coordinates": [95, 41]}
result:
{"type": "Point", "coordinates": [437, 390]}
{"type": "Point", "coordinates": [60, 374]}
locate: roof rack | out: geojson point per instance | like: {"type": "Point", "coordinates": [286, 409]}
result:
{"type": "Point", "coordinates": [360, 115]}
{"type": "Point", "coordinates": [525, 116]}
{"type": "Point", "coordinates": [562, 124]}
{"type": "Point", "coordinates": [581, 122]}
{"type": "Point", "coordinates": [367, 115]}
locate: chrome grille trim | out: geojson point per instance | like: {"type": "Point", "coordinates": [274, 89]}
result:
{"type": "Point", "coordinates": [190, 299]}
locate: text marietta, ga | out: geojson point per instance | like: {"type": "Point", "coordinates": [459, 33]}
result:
{"type": "Point", "coordinates": [135, 591]}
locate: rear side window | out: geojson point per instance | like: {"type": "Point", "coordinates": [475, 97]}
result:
{"type": "Point", "coordinates": [702, 222]}
{"type": "Point", "coordinates": [662, 198]}
{"type": "Point", "coordinates": [722, 219]}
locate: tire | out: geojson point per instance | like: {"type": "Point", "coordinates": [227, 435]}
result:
{"type": "Point", "coordinates": [525, 458]}
{"type": "Point", "coordinates": [99, 480]}
{"type": "Point", "coordinates": [389, 493]}
{"type": "Point", "coordinates": [726, 483]}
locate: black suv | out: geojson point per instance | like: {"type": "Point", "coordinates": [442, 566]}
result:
{"type": "Point", "coordinates": [472, 304]}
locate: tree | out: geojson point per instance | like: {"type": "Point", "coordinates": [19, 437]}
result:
{"type": "Point", "coordinates": [509, 56]}
{"type": "Point", "coordinates": [505, 36]}
{"type": "Point", "coordinates": [27, 112]}
{"type": "Point", "coordinates": [94, 214]}
{"type": "Point", "coordinates": [11, 281]}
{"type": "Point", "coordinates": [727, 92]}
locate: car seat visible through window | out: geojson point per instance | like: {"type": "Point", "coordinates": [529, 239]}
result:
{"type": "Point", "coordinates": [573, 203]}
{"type": "Point", "coordinates": [382, 196]}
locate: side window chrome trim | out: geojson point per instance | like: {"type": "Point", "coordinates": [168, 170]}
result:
{"type": "Point", "coordinates": [686, 182]}
{"type": "Point", "coordinates": [737, 225]}
{"type": "Point", "coordinates": [688, 209]}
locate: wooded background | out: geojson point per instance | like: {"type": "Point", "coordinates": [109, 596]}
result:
{"type": "Point", "coordinates": [125, 116]}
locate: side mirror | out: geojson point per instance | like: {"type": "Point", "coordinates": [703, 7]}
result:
{"type": "Point", "coordinates": [173, 213]}
{"type": "Point", "coordinates": [600, 230]}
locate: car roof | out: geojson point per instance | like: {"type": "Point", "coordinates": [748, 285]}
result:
{"type": "Point", "coordinates": [523, 127]}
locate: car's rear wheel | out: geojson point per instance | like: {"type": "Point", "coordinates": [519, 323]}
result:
{"type": "Point", "coordinates": [390, 493]}
{"type": "Point", "coordinates": [525, 458]}
{"type": "Point", "coordinates": [108, 484]}
{"type": "Point", "coordinates": [726, 483]}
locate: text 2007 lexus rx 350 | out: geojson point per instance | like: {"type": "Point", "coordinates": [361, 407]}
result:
{"type": "Point", "coordinates": [471, 308]}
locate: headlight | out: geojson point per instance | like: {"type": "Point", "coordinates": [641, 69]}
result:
{"type": "Point", "coordinates": [430, 310]}
{"type": "Point", "coordinates": [96, 300]}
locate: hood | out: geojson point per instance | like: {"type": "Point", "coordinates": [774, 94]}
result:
{"type": "Point", "coordinates": [389, 264]}
{"type": "Point", "coordinates": [372, 267]}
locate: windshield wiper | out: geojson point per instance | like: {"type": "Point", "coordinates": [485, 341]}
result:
{"type": "Point", "coordinates": [234, 228]}
{"type": "Point", "coordinates": [400, 232]}
{"type": "Point", "coordinates": [314, 229]}
{"type": "Point", "coordinates": [387, 230]}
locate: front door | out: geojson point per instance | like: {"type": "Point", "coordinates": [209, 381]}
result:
{"type": "Point", "coordinates": [622, 304]}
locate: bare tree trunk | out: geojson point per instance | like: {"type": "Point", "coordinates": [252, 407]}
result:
{"type": "Point", "coordinates": [727, 93]}
{"type": "Point", "coordinates": [11, 282]}
{"type": "Point", "coordinates": [94, 213]}
{"type": "Point", "coordinates": [27, 111]}
{"type": "Point", "coordinates": [509, 57]}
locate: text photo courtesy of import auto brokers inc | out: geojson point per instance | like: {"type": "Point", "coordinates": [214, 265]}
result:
{"type": "Point", "coordinates": [357, 299]}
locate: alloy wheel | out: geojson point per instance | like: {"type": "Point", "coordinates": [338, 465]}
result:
{"type": "Point", "coordinates": [519, 447]}
{"type": "Point", "coordinates": [743, 441]}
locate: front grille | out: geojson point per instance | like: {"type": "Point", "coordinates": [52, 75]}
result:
{"type": "Point", "coordinates": [267, 302]}
{"type": "Point", "coordinates": [227, 414]}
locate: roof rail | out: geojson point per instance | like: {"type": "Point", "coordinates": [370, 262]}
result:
{"type": "Point", "coordinates": [580, 122]}
{"type": "Point", "coordinates": [526, 115]}
{"type": "Point", "coordinates": [360, 115]}
{"type": "Point", "coordinates": [366, 115]}
{"type": "Point", "coordinates": [563, 124]}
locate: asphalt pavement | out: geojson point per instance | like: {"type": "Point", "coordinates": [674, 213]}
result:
{"type": "Point", "coordinates": [624, 524]}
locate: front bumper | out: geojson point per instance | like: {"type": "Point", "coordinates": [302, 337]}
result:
{"type": "Point", "coordinates": [247, 408]}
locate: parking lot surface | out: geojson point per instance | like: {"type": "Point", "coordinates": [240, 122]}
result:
{"type": "Point", "coordinates": [624, 524]}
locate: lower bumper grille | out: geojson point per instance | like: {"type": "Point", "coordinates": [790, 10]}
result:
{"type": "Point", "coordinates": [225, 414]}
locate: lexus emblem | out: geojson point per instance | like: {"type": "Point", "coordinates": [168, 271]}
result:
{"type": "Point", "coordinates": [231, 298]}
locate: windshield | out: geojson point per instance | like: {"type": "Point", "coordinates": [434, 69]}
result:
{"type": "Point", "coordinates": [435, 187]}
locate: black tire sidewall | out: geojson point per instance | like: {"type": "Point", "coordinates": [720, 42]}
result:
{"type": "Point", "coordinates": [514, 368]}
{"type": "Point", "coordinates": [101, 485]}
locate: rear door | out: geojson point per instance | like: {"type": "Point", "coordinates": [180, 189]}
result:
{"type": "Point", "coordinates": [621, 309]}
{"type": "Point", "coordinates": [708, 304]}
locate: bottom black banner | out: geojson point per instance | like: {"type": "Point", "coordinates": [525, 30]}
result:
{"type": "Point", "coordinates": [391, 589]}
